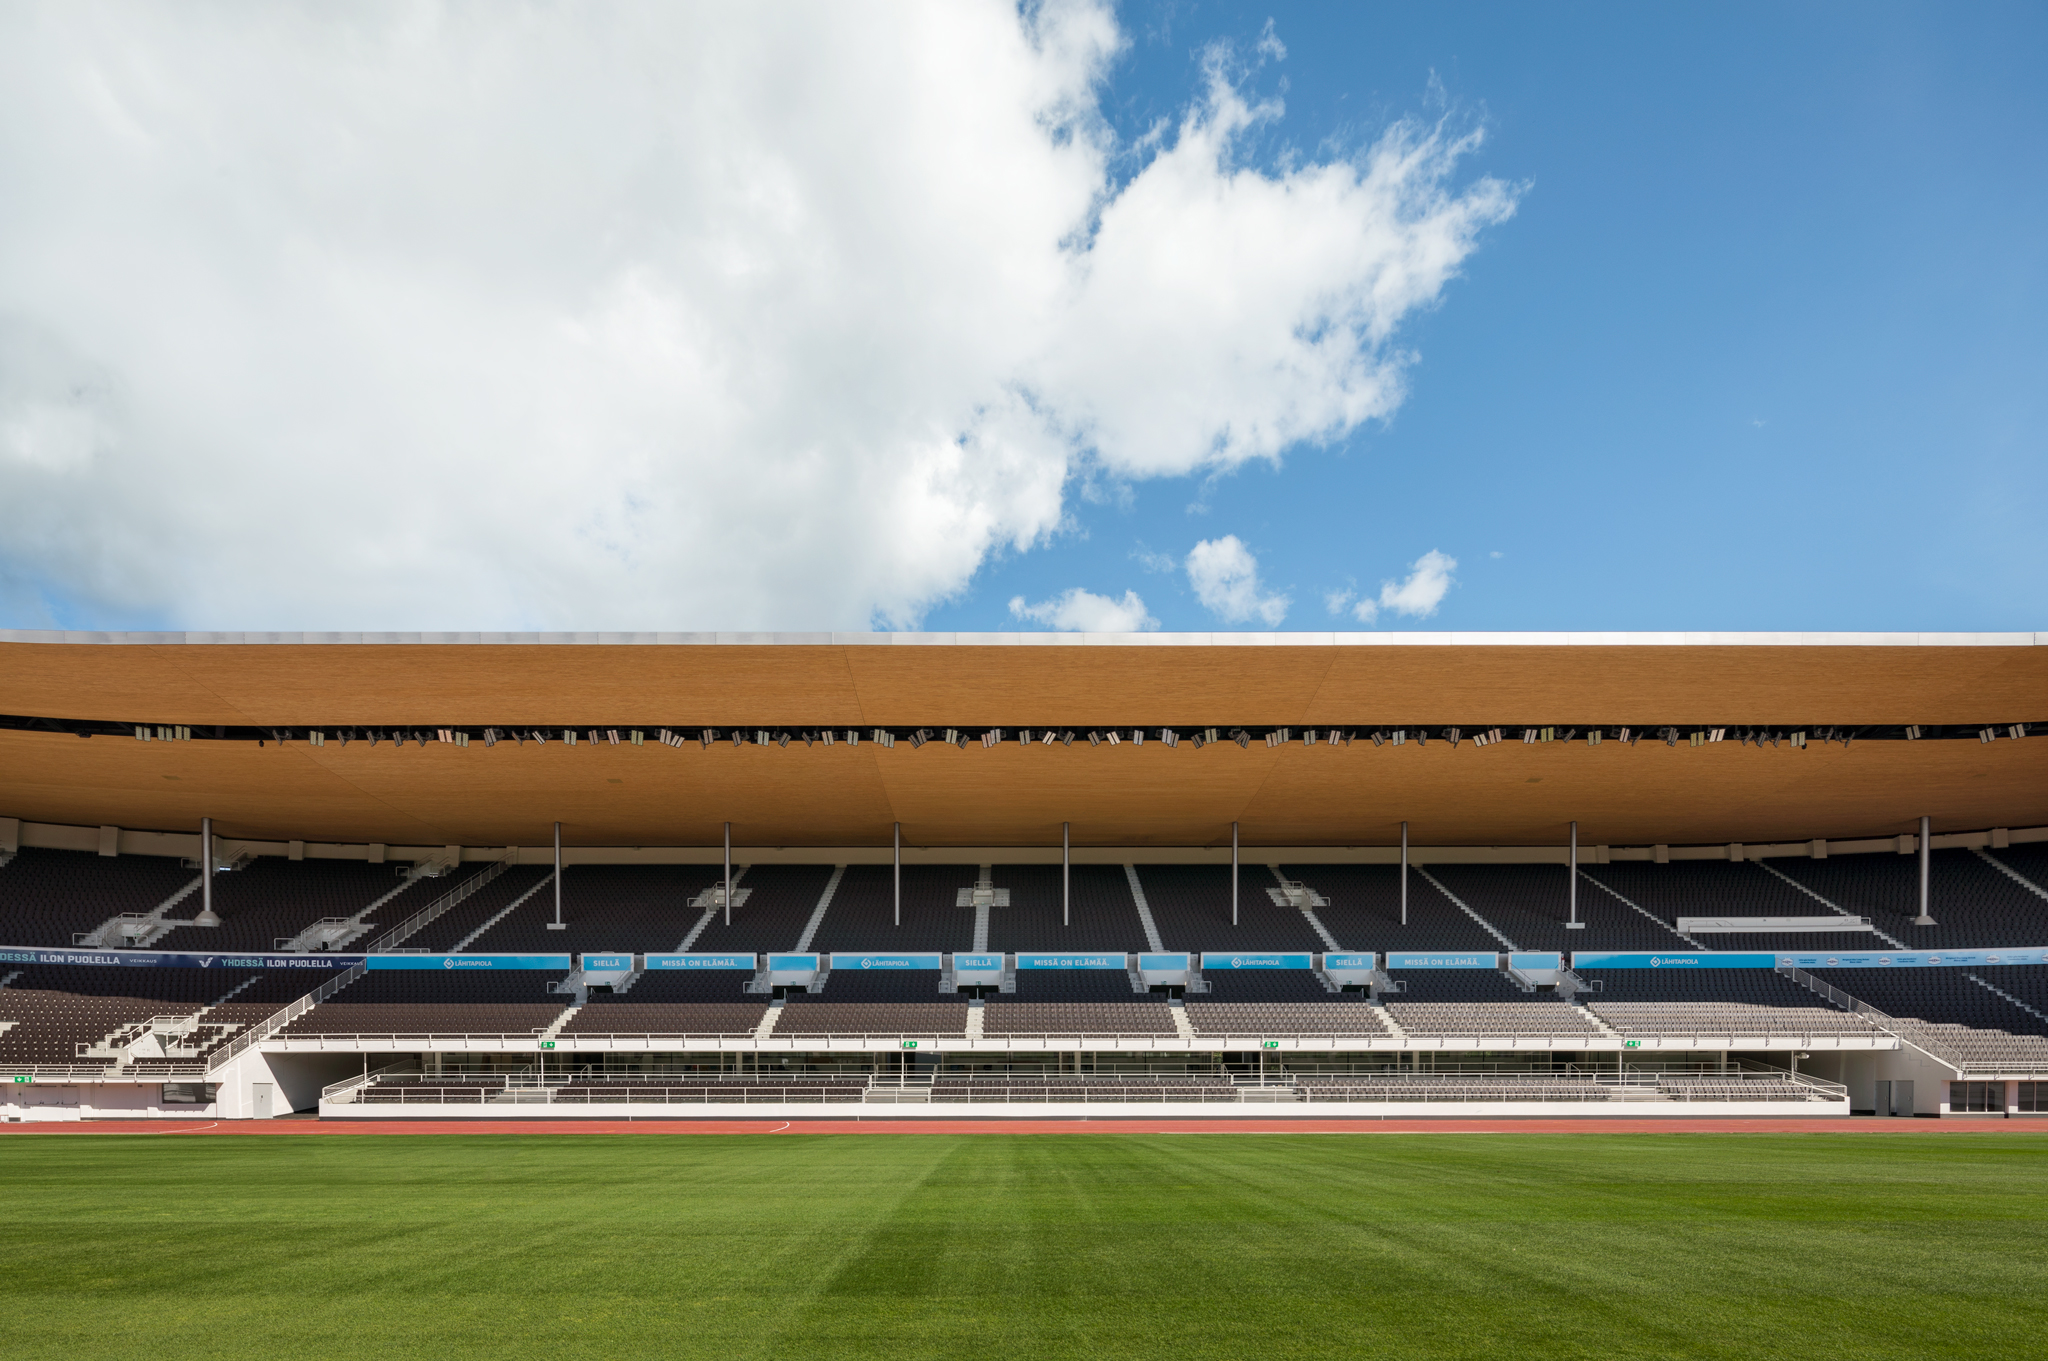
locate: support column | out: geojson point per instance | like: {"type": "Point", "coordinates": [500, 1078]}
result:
{"type": "Point", "coordinates": [1066, 876]}
{"type": "Point", "coordinates": [1404, 874]}
{"type": "Point", "coordinates": [899, 874]}
{"type": "Point", "coordinates": [1233, 874]}
{"type": "Point", "coordinates": [556, 924]}
{"type": "Point", "coordinates": [1926, 866]}
{"type": "Point", "coordinates": [1574, 924]}
{"type": "Point", "coordinates": [728, 874]}
{"type": "Point", "coordinates": [207, 916]}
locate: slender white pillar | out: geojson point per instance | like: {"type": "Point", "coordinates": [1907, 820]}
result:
{"type": "Point", "coordinates": [207, 916]}
{"type": "Point", "coordinates": [1926, 852]}
{"type": "Point", "coordinates": [557, 925]}
{"type": "Point", "coordinates": [1404, 874]}
{"type": "Point", "coordinates": [728, 874]}
{"type": "Point", "coordinates": [899, 874]}
{"type": "Point", "coordinates": [1233, 874]}
{"type": "Point", "coordinates": [1574, 924]}
{"type": "Point", "coordinates": [1066, 878]}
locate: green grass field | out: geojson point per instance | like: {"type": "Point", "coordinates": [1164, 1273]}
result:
{"type": "Point", "coordinates": [1194, 1246]}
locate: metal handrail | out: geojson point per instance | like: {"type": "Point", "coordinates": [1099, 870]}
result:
{"type": "Point", "coordinates": [465, 889]}
{"type": "Point", "coordinates": [291, 1012]}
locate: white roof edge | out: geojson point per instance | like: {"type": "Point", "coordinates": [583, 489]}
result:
{"type": "Point", "coordinates": [1220, 639]}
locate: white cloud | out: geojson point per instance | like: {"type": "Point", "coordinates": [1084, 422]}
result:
{"type": "Point", "coordinates": [657, 316]}
{"type": "Point", "coordinates": [1085, 612]}
{"type": "Point", "coordinates": [1429, 579]}
{"type": "Point", "coordinates": [1335, 601]}
{"type": "Point", "coordinates": [1154, 562]}
{"type": "Point", "coordinates": [1225, 576]}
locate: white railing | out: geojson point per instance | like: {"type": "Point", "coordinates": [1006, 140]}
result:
{"type": "Point", "coordinates": [440, 905]}
{"type": "Point", "coordinates": [280, 1019]}
{"type": "Point", "coordinates": [340, 1091]}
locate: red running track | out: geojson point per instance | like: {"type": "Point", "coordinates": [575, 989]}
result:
{"type": "Point", "coordinates": [1834, 1125]}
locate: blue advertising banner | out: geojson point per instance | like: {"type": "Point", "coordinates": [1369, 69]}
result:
{"type": "Point", "coordinates": [459, 963]}
{"type": "Point", "coordinates": [977, 963]}
{"type": "Point", "coordinates": [1426, 959]}
{"type": "Point", "coordinates": [913, 960]}
{"type": "Point", "coordinates": [1160, 963]}
{"type": "Point", "coordinates": [1247, 959]}
{"type": "Point", "coordinates": [1698, 959]}
{"type": "Point", "coordinates": [1919, 959]}
{"type": "Point", "coordinates": [783, 962]}
{"type": "Point", "coordinates": [1535, 959]}
{"type": "Point", "coordinates": [709, 961]}
{"type": "Point", "coordinates": [1367, 960]}
{"type": "Point", "coordinates": [1102, 961]}
{"type": "Point", "coordinates": [596, 963]}
{"type": "Point", "coordinates": [173, 959]}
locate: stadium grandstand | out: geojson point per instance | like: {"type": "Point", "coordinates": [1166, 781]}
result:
{"type": "Point", "coordinates": [427, 876]}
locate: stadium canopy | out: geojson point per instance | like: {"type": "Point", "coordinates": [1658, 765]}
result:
{"type": "Point", "coordinates": [1729, 737]}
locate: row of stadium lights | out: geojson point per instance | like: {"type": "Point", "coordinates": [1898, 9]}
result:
{"type": "Point", "coordinates": [960, 737]}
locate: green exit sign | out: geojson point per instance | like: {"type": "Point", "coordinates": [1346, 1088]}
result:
{"type": "Point", "coordinates": [1631, 1044]}
{"type": "Point", "coordinates": [910, 1044]}
{"type": "Point", "coordinates": [1269, 1044]}
{"type": "Point", "coordinates": [547, 1044]}
{"type": "Point", "coordinates": [23, 1077]}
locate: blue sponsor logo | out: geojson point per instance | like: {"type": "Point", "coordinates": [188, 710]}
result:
{"type": "Point", "coordinates": [1703, 959]}
{"type": "Point", "coordinates": [1105, 961]}
{"type": "Point", "coordinates": [1248, 959]}
{"type": "Point", "coordinates": [1424, 959]}
{"type": "Point", "coordinates": [792, 963]}
{"type": "Point", "coordinates": [462, 963]}
{"type": "Point", "coordinates": [1934, 959]}
{"type": "Point", "coordinates": [902, 961]}
{"type": "Point", "coordinates": [706, 961]}
{"type": "Point", "coordinates": [1163, 963]}
{"type": "Point", "coordinates": [1535, 959]}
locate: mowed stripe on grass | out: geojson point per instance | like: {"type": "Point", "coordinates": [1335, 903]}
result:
{"type": "Point", "coordinates": [1099, 1246]}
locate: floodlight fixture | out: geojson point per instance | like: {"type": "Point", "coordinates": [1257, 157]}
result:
{"type": "Point", "coordinates": [992, 737]}
{"type": "Point", "coordinates": [1670, 737]}
{"type": "Point", "coordinates": [1137, 737]}
{"type": "Point", "coordinates": [1913, 732]}
{"type": "Point", "coordinates": [1094, 738]}
{"type": "Point", "coordinates": [1592, 737]}
{"type": "Point", "coordinates": [739, 738]}
{"type": "Point", "coordinates": [706, 736]}
{"type": "Point", "coordinates": [1111, 737]}
{"type": "Point", "coordinates": [1716, 734]}
{"type": "Point", "coordinates": [762, 737]}
{"type": "Point", "coordinates": [918, 737]}
{"type": "Point", "coordinates": [1308, 737]}
{"type": "Point", "coordinates": [1422, 737]}
{"type": "Point", "coordinates": [853, 737]}
{"type": "Point", "coordinates": [594, 738]}
{"type": "Point", "coordinates": [1209, 735]}
{"type": "Point", "coordinates": [1047, 737]}
{"type": "Point", "coordinates": [1799, 740]}
{"type": "Point", "coordinates": [1201, 739]}
{"type": "Point", "coordinates": [1169, 737]}
{"type": "Point", "coordinates": [1067, 738]}
{"type": "Point", "coordinates": [1241, 737]}
{"type": "Point", "coordinates": [1987, 735]}
{"type": "Point", "coordinates": [825, 736]}
{"type": "Point", "coordinates": [1378, 738]}
{"type": "Point", "coordinates": [1452, 735]}
{"type": "Point", "coordinates": [2017, 731]}
{"type": "Point", "coordinates": [1400, 737]}
{"type": "Point", "coordinates": [568, 737]}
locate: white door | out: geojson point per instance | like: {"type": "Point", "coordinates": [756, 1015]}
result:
{"type": "Point", "coordinates": [259, 1100]}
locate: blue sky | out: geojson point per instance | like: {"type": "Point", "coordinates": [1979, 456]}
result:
{"type": "Point", "coordinates": [656, 318]}
{"type": "Point", "coordinates": [1765, 345]}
